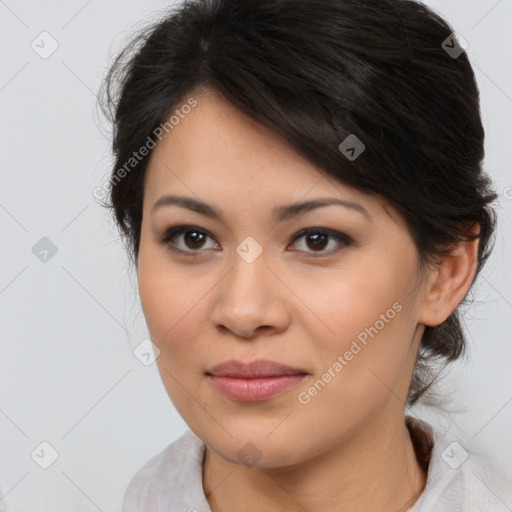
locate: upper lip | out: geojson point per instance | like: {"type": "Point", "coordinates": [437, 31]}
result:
{"type": "Point", "coordinates": [259, 368]}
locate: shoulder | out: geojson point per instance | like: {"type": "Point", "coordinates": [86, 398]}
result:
{"type": "Point", "coordinates": [171, 479]}
{"type": "Point", "coordinates": [458, 480]}
{"type": "Point", "coordinates": [484, 486]}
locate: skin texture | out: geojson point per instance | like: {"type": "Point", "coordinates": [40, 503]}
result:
{"type": "Point", "coordinates": [347, 448]}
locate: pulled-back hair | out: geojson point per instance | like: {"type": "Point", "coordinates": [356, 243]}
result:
{"type": "Point", "coordinates": [317, 71]}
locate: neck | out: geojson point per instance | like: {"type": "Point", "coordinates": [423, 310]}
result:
{"type": "Point", "coordinates": [375, 470]}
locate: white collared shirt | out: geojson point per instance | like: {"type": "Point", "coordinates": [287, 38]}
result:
{"type": "Point", "coordinates": [457, 481]}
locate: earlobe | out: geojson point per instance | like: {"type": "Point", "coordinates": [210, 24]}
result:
{"type": "Point", "coordinates": [450, 281]}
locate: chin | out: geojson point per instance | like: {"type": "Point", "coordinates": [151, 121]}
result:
{"type": "Point", "coordinates": [263, 453]}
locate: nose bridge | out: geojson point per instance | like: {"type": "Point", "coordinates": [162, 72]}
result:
{"type": "Point", "coordinates": [248, 298]}
{"type": "Point", "coordinates": [249, 276]}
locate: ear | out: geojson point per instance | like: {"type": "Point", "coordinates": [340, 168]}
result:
{"type": "Point", "coordinates": [449, 282]}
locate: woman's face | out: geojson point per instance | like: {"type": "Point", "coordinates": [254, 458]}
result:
{"type": "Point", "coordinates": [247, 286]}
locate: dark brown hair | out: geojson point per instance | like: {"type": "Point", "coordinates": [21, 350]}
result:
{"type": "Point", "coordinates": [317, 71]}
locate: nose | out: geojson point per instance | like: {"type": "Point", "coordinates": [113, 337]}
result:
{"type": "Point", "coordinates": [250, 300]}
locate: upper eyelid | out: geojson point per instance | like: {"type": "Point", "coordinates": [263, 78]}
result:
{"type": "Point", "coordinates": [181, 229]}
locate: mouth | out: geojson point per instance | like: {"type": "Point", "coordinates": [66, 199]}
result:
{"type": "Point", "coordinates": [255, 381]}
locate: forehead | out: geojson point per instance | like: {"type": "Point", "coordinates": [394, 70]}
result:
{"type": "Point", "coordinates": [217, 151]}
{"type": "Point", "coordinates": [216, 135]}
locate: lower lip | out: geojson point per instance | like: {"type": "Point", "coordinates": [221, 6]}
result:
{"type": "Point", "coordinates": [256, 389]}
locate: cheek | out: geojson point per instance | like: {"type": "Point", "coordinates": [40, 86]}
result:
{"type": "Point", "coordinates": [160, 285]}
{"type": "Point", "coordinates": [169, 309]}
{"type": "Point", "coordinates": [156, 298]}
{"type": "Point", "coordinates": [367, 314]}
{"type": "Point", "coordinates": [174, 304]}
{"type": "Point", "coordinates": [159, 290]}
{"type": "Point", "coordinates": [355, 299]}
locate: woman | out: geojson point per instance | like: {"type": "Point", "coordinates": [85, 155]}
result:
{"type": "Point", "coordinates": [300, 186]}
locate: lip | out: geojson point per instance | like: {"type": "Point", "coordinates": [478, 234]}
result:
{"type": "Point", "coordinates": [255, 381]}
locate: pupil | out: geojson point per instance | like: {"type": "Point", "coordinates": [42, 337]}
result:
{"type": "Point", "coordinates": [195, 243]}
{"type": "Point", "coordinates": [320, 238]}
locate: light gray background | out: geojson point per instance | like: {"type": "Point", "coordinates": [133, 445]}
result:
{"type": "Point", "coordinates": [68, 375]}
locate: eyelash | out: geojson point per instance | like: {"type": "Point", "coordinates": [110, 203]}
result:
{"type": "Point", "coordinates": [335, 235]}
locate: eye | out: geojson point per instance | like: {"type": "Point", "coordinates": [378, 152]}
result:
{"type": "Point", "coordinates": [192, 236]}
{"type": "Point", "coordinates": [318, 239]}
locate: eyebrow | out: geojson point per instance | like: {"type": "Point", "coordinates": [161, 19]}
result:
{"type": "Point", "coordinates": [279, 213]}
